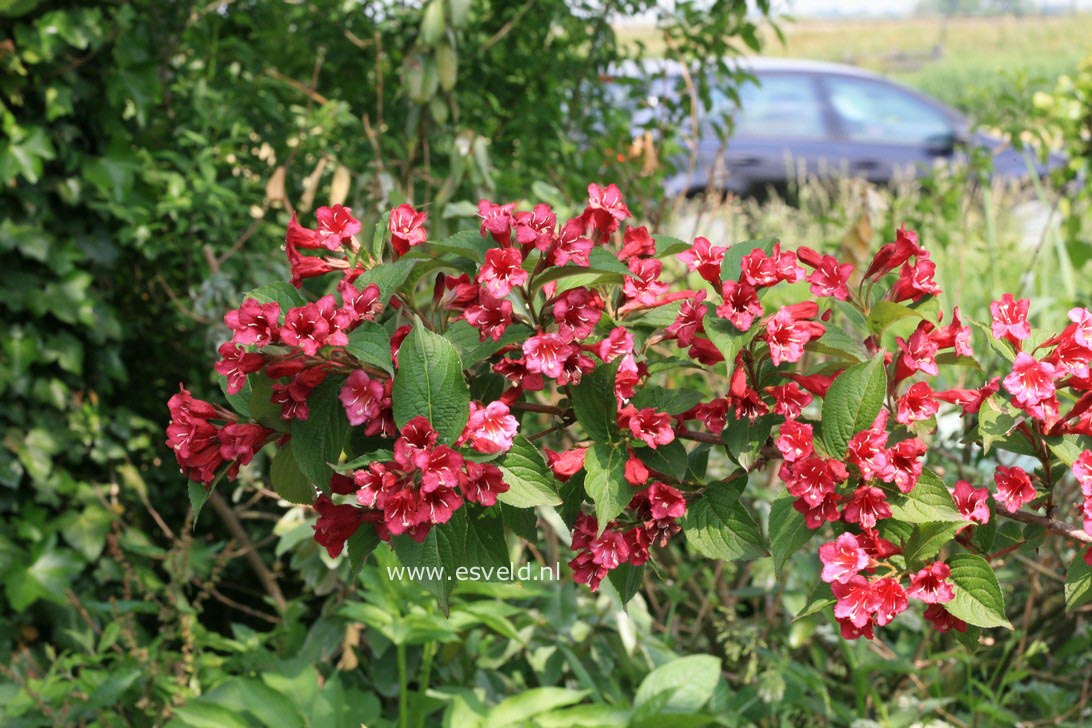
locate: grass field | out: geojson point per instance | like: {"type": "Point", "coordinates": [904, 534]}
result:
{"type": "Point", "coordinates": [963, 61]}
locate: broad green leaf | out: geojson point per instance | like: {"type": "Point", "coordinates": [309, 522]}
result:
{"type": "Point", "coordinates": [468, 244]}
{"type": "Point", "coordinates": [369, 343]}
{"type": "Point", "coordinates": [693, 678]}
{"type": "Point", "coordinates": [929, 502]}
{"type": "Point", "coordinates": [530, 481]}
{"type": "Point", "coordinates": [727, 338]}
{"type": "Point", "coordinates": [927, 539]}
{"type": "Point", "coordinates": [605, 482]}
{"type": "Point", "coordinates": [1078, 583]}
{"type": "Point", "coordinates": [430, 384]}
{"type": "Point", "coordinates": [1067, 448]}
{"type": "Point", "coordinates": [978, 599]}
{"type": "Point", "coordinates": [388, 276]}
{"type": "Point", "coordinates": [836, 342]}
{"type": "Point", "coordinates": [594, 403]}
{"type": "Point", "coordinates": [787, 531]}
{"type": "Point", "coordinates": [885, 313]}
{"type": "Point", "coordinates": [744, 439]}
{"type": "Point", "coordinates": [733, 258]}
{"type": "Point", "coordinates": [662, 399]}
{"type": "Point", "coordinates": [997, 422]}
{"type": "Point", "coordinates": [717, 525]}
{"type": "Point", "coordinates": [519, 709]}
{"type": "Point", "coordinates": [199, 496]}
{"type": "Point", "coordinates": [281, 293]}
{"type": "Point", "coordinates": [667, 246]}
{"type": "Point", "coordinates": [852, 403]}
{"type": "Point", "coordinates": [251, 696]}
{"type": "Point", "coordinates": [626, 580]}
{"type": "Point", "coordinates": [360, 545]}
{"type": "Point", "coordinates": [669, 459]}
{"type": "Point", "coordinates": [820, 599]}
{"type": "Point", "coordinates": [317, 442]}
{"type": "Point", "coordinates": [473, 350]}
{"type": "Point", "coordinates": [604, 260]}
{"type": "Point", "coordinates": [287, 479]}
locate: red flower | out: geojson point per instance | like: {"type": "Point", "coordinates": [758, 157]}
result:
{"type": "Point", "coordinates": [1014, 488]}
{"type": "Point", "coordinates": [857, 601]}
{"type": "Point", "coordinates": [374, 484]}
{"type": "Point", "coordinates": [649, 426]}
{"type": "Point", "coordinates": [490, 429]}
{"type": "Point", "coordinates": [412, 448]}
{"type": "Point", "coordinates": [829, 277]}
{"type": "Point", "coordinates": [789, 399]}
{"type": "Point", "coordinates": [606, 208]}
{"type": "Point", "coordinates": [664, 501]}
{"type": "Point", "coordinates": [617, 343]}
{"type": "Point", "coordinates": [644, 285]}
{"type": "Point", "coordinates": [842, 559]}
{"type": "Point", "coordinates": [636, 473]}
{"type": "Point", "coordinates": [794, 440]}
{"type": "Point", "coordinates": [306, 328]}
{"type": "Point", "coordinates": [1031, 381]}
{"type": "Point", "coordinates": [868, 450]}
{"type": "Point", "coordinates": [490, 316]}
{"type": "Point", "coordinates": [931, 584]}
{"type": "Point", "coordinates": [576, 313]}
{"type": "Point", "coordinates": [705, 259]}
{"type": "Point", "coordinates": [1010, 319]}
{"type": "Point", "coordinates": [971, 502]}
{"type": "Point", "coordinates": [239, 441]}
{"type": "Point", "coordinates": [906, 465]}
{"type": "Point", "coordinates": [813, 479]}
{"type": "Point", "coordinates": [546, 354]}
{"type": "Point", "coordinates": [407, 228]}
{"type": "Point", "coordinates": [365, 305]}
{"type": "Point", "coordinates": [637, 243]}
{"type": "Point", "coordinates": [482, 483]}
{"type": "Point", "coordinates": [942, 620]}
{"type": "Point", "coordinates": [235, 364]}
{"type": "Point", "coordinates": [441, 468]}
{"type": "Point", "coordinates": [867, 507]}
{"type": "Point", "coordinates": [917, 404]}
{"type": "Point", "coordinates": [336, 524]}
{"type": "Point", "coordinates": [892, 255]}
{"type": "Point", "coordinates": [336, 225]}
{"type": "Point", "coordinates": [918, 353]}
{"type": "Point", "coordinates": [502, 271]}
{"type": "Point", "coordinates": [253, 323]}
{"type": "Point", "coordinates": [891, 600]}
{"type": "Point", "coordinates": [566, 464]}
{"type": "Point", "coordinates": [915, 281]}
{"type": "Point", "coordinates": [536, 227]}
{"type": "Point", "coordinates": [741, 305]}
{"type": "Point", "coordinates": [689, 321]}
{"type": "Point", "coordinates": [787, 334]}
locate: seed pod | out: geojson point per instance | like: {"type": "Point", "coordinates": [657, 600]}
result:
{"type": "Point", "coordinates": [458, 10]}
{"type": "Point", "coordinates": [447, 64]}
{"type": "Point", "coordinates": [432, 25]}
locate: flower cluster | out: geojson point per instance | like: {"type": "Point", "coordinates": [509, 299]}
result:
{"type": "Point", "coordinates": [203, 447]}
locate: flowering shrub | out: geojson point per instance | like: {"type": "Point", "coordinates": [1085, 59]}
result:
{"type": "Point", "coordinates": [400, 404]}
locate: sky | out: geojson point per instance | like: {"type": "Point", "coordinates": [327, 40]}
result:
{"type": "Point", "coordinates": [807, 8]}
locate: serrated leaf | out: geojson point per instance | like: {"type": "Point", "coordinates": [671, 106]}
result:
{"type": "Point", "coordinates": [836, 342]}
{"type": "Point", "coordinates": [199, 496]}
{"type": "Point", "coordinates": [530, 481]}
{"type": "Point", "coordinates": [787, 532]}
{"type": "Point", "coordinates": [997, 420]}
{"type": "Point", "coordinates": [670, 459]}
{"type": "Point", "coordinates": [662, 399]}
{"type": "Point", "coordinates": [852, 403]}
{"type": "Point", "coordinates": [626, 579]}
{"type": "Point", "coordinates": [283, 294]}
{"type": "Point", "coordinates": [594, 403]}
{"type": "Point", "coordinates": [978, 599]}
{"type": "Point", "coordinates": [360, 545]}
{"type": "Point", "coordinates": [473, 350]}
{"type": "Point", "coordinates": [520, 709]}
{"type": "Point", "coordinates": [693, 678]}
{"type": "Point", "coordinates": [388, 276]}
{"type": "Point", "coordinates": [743, 439]}
{"type": "Point", "coordinates": [468, 244]}
{"type": "Point", "coordinates": [885, 313]}
{"type": "Point", "coordinates": [927, 539]}
{"type": "Point", "coordinates": [727, 338]}
{"type": "Point", "coordinates": [733, 257]}
{"type": "Point", "coordinates": [317, 442]}
{"type": "Point", "coordinates": [821, 598]}
{"type": "Point", "coordinates": [717, 525]}
{"type": "Point", "coordinates": [605, 481]}
{"type": "Point", "coordinates": [430, 384]}
{"type": "Point", "coordinates": [287, 479]}
{"type": "Point", "coordinates": [928, 502]}
{"type": "Point", "coordinates": [369, 343]}
{"type": "Point", "coordinates": [1078, 583]}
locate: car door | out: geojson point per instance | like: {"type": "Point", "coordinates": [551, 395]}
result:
{"type": "Point", "coordinates": [884, 130]}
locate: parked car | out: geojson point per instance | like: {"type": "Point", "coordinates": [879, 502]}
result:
{"type": "Point", "coordinates": [824, 119]}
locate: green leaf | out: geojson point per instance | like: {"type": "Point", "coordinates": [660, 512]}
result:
{"type": "Point", "coordinates": [430, 383]}
{"type": "Point", "coordinates": [852, 403]}
{"type": "Point", "coordinates": [468, 244]}
{"type": "Point", "coordinates": [530, 481]}
{"type": "Point", "coordinates": [978, 599]}
{"type": "Point", "coordinates": [199, 496]}
{"type": "Point", "coordinates": [522, 707]}
{"type": "Point", "coordinates": [787, 531]}
{"type": "Point", "coordinates": [997, 421]}
{"type": "Point", "coordinates": [317, 442]}
{"type": "Point", "coordinates": [603, 267]}
{"type": "Point", "coordinates": [1067, 448]}
{"type": "Point", "coordinates": [281, 293]}
{"type": "Point", "coordinates": [693, 679]}
{"type": "Point", "coordinates": [388, 276]}
{"type": "Point", "coordinates": [927, 539]}
{"type": "Point", "coordinates": [1078, 583]}
{"type": "Point", "coordinates": [594, 403]}
{"type": "Point", "coordinates": [370, 344]}
{"type": "Point", "coordinates": [836, 342]}
{"type": "Point", "coordinates": [727, 338]}
{"type": "Point", "coordinates": [605, 482]}
{"type": "Point", "coordinates": [928, 502]}
{"type": "Point", "coordinates": [718, 526]}
{"type": "Point", "coordinates": [662, 399]}
{"type": "Point", "coordinates": [885, 313]}
{"type": "Point", "coordinates": [733, 258]}
{"type": "Point", "coordinates": [626, 579]}
{"type": "Point", "coordinates": [360, 545]}
{"type": "Point", "coordinates": [287, 479]}
{"type": "Point", "coordinates": [669, 459]}
{"type": "Point", "coordinates": [743, 439]}
{"type": "Point", "coordinates": [473, 350]}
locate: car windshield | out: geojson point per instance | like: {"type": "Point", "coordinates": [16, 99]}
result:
{"type": "Point", "coordinates": [872, 111]}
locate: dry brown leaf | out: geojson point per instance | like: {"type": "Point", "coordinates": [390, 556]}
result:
{"type": "Point", "coordinates": [311, 184]}
{"type": "Point", "coordinates": [339, 188]}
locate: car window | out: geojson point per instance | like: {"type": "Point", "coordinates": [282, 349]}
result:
{"type": "Point", "coordinates": [872, 111]}
{"type": "Point", "coordinates": [780, 105]}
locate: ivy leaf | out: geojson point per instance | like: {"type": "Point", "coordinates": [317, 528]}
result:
{"type": "Point", "coordinates": [594, 403]}
{"type": "Point", "coordinates": [317, 442]}
{"type": "Point", "coordinates": [787, 532]}
{"type": "Point", "coordinates": [369, 343]}
{"type": "Point", "coordinates": [852, 403]}
{"type": "Point", "coordinates": [1078, 584]}
{"type": "Point", "coordinates": [430, 383]}
{"type": "Point", "coordinates": [288, 480]}
{"type": "Point", "coordinates": [928, 502]}
{"type": "Point", "coordinates": [978, 599]}
{"type": "Point", "coordinates": [530, 481]}
{"type": "Point", "coordinates": [717, 525]}
{"type": "Point", "coordinates": [605, 482]}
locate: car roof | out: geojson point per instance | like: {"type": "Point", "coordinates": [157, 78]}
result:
{"type": "Point", "coordinates": [755, 64]}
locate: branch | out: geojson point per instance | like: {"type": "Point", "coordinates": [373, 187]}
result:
{"type": "Point", "coordinates": [265, 576]}
{"type": "Point", "coordinates": [1051, 524]}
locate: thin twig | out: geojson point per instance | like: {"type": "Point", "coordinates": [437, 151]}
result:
{"type": "Point", "coordinates": [265, 576]}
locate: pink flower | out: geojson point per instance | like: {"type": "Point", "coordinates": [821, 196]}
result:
{"type": "Point", "coordinates": [704, 258]}
{"type": "Point", "coordinates": [576, 312]}
{"type": "Point", "coordinates": [1010, 319]}
{"type": "Point", "coordinates": [502, 271]}
{"type": "Point", "coordinates": [1082, 332]}
{"type": "Point", "coordinates": [404, 510]}
{"type": "Point", "coordinates": [1031, 381]}
{"type": "Point", "coordinates": [787, 336]}
{"type": "Point", "coordinates": [407, 227]}
{"type": "Point", "coordinates": [892, 255]}
{"type": "Point", "coordinates": [857, 600]}
{"type": "Point", "coordinates": [441, 467]}
{"type": "Point", "coordinates": [306, 328]}
{"type": "Point", "coordinates": [536, 227]}
{"type": "Point", "coordinates": [373, 485]}
{"type": "Point", "coordinates": [606, 208]}
{"type": "Point", "coordinates": [794, 440]}
{"type": "Point", "coordinates": [335, 524]}
{"type": "Point", "coordinates": [916, 405]}
{"type": "Point", "coordinates": [650, 426]}
{"type": "Point", "coordinates": [689, 321]}
{"type": "Point", "coordinates": [954, 336]}
{"type": "Point", "coordinates": [636, 472]}
{"type": "Point", "coordinates": [829, 278]}
{"type": "Point", "coordinates": [906, 465]}
{"type": "Point", "coordinates": [741, 305]}
{"type": "Point", "coordinates": [412, 447]}
{"type": "Point", "coordinates": [497, 220]}
{"type": "Point", "coordinates": [1014, 488]}
{"type": "Point", "coordinates": [644, 286]}
{"type": "Point", "coordinates": [1082, 471]}
{"type": "Point", "coordinates": [490, 429]}
{"type": "Point", "coordinates": [490, 316]}
{"type": "Point", "coordinates": [609, 550]}
{"type": "Point", "coordinates": [891, 600]}
{"type": "Point", "coordinates": [336, 224]}
{"type": "Point", "coordinates": [617, 343]}
{"type": "Point", "coordinates": [915, 281]}
{"type": "Point", "coordinates": [482, 483]}
{"type": "Point", "coordinates": [813, 479]}
{"type": "Point", "coordinates": [972, 502]}
{"type": "Point", "coordinates": [823, 511]}
{"type": "Point", "coordinates": [239, 441]}
{"type": "Point", "coordinates": [546, 354]}
{"type": "Point", "coordinates": [918, 353]}
{"type": "Point", "coordinates": [253, 323]}
{"type": "Point", "coordinates": [566, 464]}
{"type": "Point", "coordinates": [789, 399]}
{"type": "Point", "coordinates": [362, 397]}
{"type": "Point", "coordinates": [440, 504]}
{"type": "Point", "coordinates": [665, 502]}
{"type": "Point", "coordinates": [364, 304]}
{"type": "Point", "coordinates": [842, 559]}
{"type": "Point", "coordinates": [931, 584]}
{"type": "Point", "coordinates": [637, 243]}
{"type": "Point", "coordinates": [868, 450]}
{"type": "Point", "coordinates": [868, 505]}
{"type": "Point", "coordinates": [942, 620]}
{"type": "Point", "coordinates": [235, 364]}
